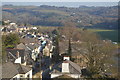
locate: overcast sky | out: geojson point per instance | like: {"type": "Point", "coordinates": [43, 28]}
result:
{"type": "Point", "coordinates": [60, 0]}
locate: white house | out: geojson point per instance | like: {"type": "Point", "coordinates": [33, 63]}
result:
{"type": "Point", "coordinates": [35, 49]}
{"type": "Point", "coordinates": [16, 55]}
{"type": "Point", "coordinates": [16, 71]}
{"type": "Point", "coordinates": [66, 67]}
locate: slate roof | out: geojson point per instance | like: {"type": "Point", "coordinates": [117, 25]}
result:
{"type": "Point", "coordinates": [29, 40]}
{"type": "Point", "coordinates": [73, 68]}
{"type": "Point", "coordinates": [28, 53]}
{"type": "Point", "coordinates": [12, 54]}
{"type": "Point", "coordinates": [9, 69]}
{"type": "Point", "coordinates": [22, 46]}
{"type": "Point", "coordinates": [32, 47]}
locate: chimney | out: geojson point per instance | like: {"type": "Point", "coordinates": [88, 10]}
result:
{"type": "Point", "coordinates": [65, 64]}
{"type": "Point", "coordinates": [66, 58]}
{"type": "Point", "coordinates": [18, 55]}
{"type": "Point", "coordinates": [65, 67]}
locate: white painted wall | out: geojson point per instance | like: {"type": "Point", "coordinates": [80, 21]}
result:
{"type": "Point", "coordinates": [65, 68]}
{"type": "Point", "coordinates": [29, 73]}
{"type": "Point", "coordinates": [24, 64]}
{"type": "Point", "coordinates": [36, 50]}
{"type": "Point", "coordinates": [71, 75]}
{"type": "Point", "coordinates": [18, 60]}
{"type": "Point", "coordinates": [18, 76]}
{"type": "Point", "coordinates": [74, 75]}
{"type": "Point", "coordinates": [66, 58]}
{"type": "Point", "coordinates": [55, 75]}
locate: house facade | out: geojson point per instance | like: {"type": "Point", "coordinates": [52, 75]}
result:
{"type": "Point", "coordinates": [66, 67]}
{"type": "Point", "coordinates": [16, 56]}
{"type": "Point", "coordinates": [11, 71]}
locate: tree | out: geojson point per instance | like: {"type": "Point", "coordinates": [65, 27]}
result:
{"type": "Point", "coordinates": [69, 48]}
{"type": "Point", "coordinates": [10, 40]}
{"type": "Point", "coordinates": [56, 44]}
{"type": "Point", "coordinates": [71, 33]}
{"type": "Point", "coordinates": [99, 54]}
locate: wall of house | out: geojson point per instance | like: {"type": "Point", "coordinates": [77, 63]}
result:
{"type": "Point", "coordinates": [52, 48]}
{"type": "Point", "coordinates": [29, 73]}
{"type": "Point", "coordinates": [46, 51]}
{"type": "Point", "coordinates": [66, 58]}
{"type": "Point", "coordinates": [55, 75]}
{"type": "Point", "coordinates": [18, 60]}
{"type": "Point", "coordinates": [18, 76]}
{"type": "Point", "coordinates": [25, 63]}
{"type": "Point", "coordinates": [33, 56]}
{"type": "Point", "coordinates": [37, 50]}
{"type": "Point", "coordinates": [74, 75]}
{"type": "Point", "coordinates": [65, 68]}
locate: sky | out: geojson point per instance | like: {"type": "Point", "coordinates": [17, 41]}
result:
{"type": "Point", "coordinates": [60, 0]}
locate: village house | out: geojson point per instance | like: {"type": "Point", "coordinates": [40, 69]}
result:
{"type": "Point", "coordinates": [46, 51]}
{"type": "Point", "coordinates": [7, 21]}
{"type": "Point", "coordinates": [16, 56]}
{"type": "Point", "coordinates": [9, 28]}
{"type": "Point", "coordinates": [35, 49]}
{"type": "Point", "coordinates": [22, 46]}
{"type": "Point", "coordinates": [29, 60]}
{"type": "Point", "coordinates": [66, 67]}
{"type": "Point", "coordinates": [27, 40]}
{"type": "Point", "coordinates": [77, 56]}
{"type": "Point", "coordinates": [23, 28]}
{"type": "Point", "coordinates": [11, 71]}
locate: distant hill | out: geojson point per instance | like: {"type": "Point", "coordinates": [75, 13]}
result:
{"type": "Point", "coordinates": [44, 15]}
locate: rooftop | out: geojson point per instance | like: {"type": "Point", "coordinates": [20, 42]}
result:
{"type": "Point", "coordinates": [9, 69]}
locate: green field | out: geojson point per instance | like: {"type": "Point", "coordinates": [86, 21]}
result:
{"type": "Point", "coordinates": [106, 34]}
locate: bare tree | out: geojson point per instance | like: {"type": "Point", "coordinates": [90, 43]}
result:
{"type": "Point", "coordinates": [71, 33]}
{"type": "Point", "coordinates": [98, 53]}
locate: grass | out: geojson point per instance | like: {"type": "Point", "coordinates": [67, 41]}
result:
{"type": "Point", "coordinates": [103, 33]}
{"type": "Point", "coordinates": [107, 34]}
{"type": "Point", "coordinates": [99, 30]}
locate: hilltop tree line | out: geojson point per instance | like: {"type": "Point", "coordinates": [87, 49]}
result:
{"type": "Point", "coordinates": [93, 17]}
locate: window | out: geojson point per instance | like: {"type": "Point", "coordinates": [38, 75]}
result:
{"type": "Point", "coordinates": [28, 76]}
{"type": "Point", "coordinates": [21, 77]}
{"type": "Point", "coordinates": [15, 78]}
